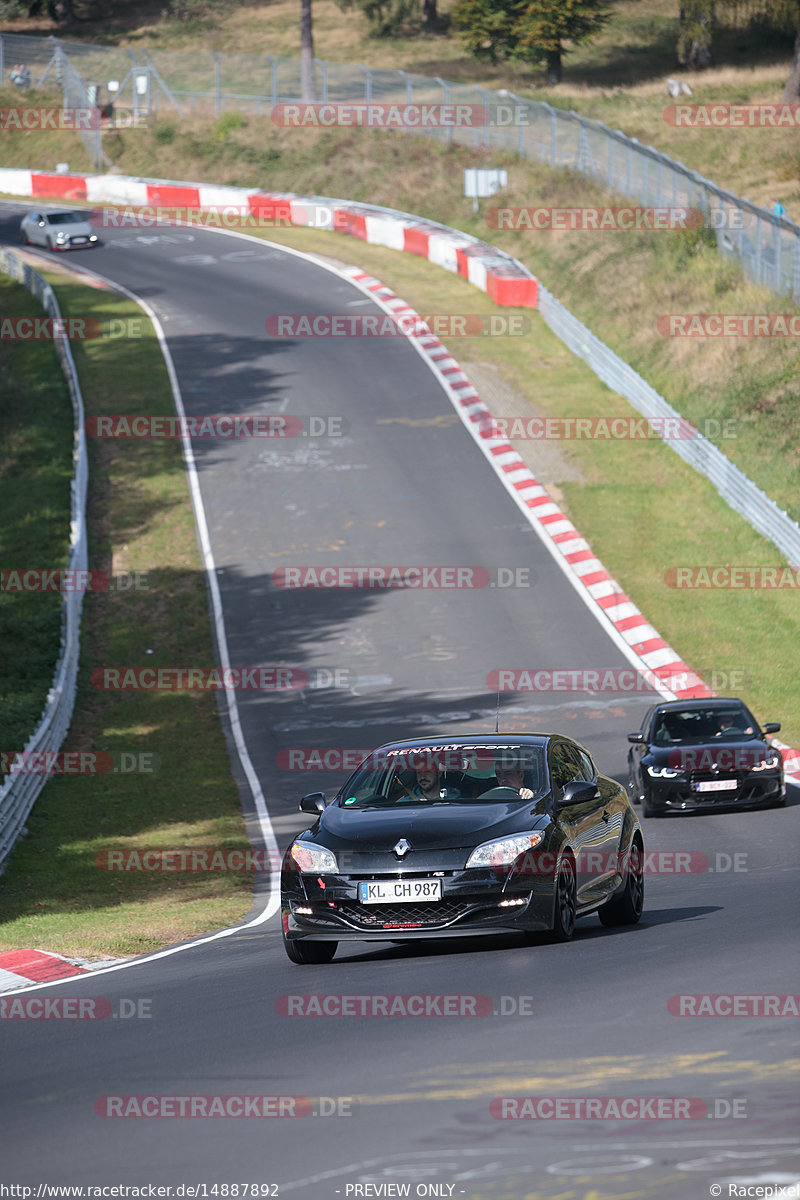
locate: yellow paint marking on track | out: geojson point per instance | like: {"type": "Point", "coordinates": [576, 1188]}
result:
{"type": "Point", "coordinates": [592, 1074]}
{"type": "Point", "coordinates": [441, 422]}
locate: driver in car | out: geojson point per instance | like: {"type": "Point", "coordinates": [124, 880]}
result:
{"type": "Point", "coordinates": [510, 773]}
{"type": "Point", "coordinates": [429, 784]}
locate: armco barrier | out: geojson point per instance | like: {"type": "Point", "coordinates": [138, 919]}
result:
{"type": "Point", "coordinates": [502, 277]}
{"type": "Point", "coordinates": [19, 793]}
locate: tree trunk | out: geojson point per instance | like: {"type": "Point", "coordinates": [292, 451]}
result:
{"type": "Point", "coordinates": [307, 88]}
{"type": "Point", "coordinates": [553, 67]}
{"type": "Point", "coordinates": [791, 93]}
{"type": "Point", "coordinates": [63, 12]}
{"type": "Point", "coordinates": [430, 17]}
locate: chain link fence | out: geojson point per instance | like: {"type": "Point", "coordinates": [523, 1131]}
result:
{"type": "Point", "coordinates": [766, 247]}
{"type": "Point", "coordinates": [20, 791]}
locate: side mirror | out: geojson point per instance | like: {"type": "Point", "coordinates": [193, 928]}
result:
{"type": "Point", "coordinates": [772, 727]}
{"type": "Point", "coordinates": [635, 737]}
{"type": "Point", "coordinates": [578, 791]}
{"type": "Point", "coordinates": [314, 803]}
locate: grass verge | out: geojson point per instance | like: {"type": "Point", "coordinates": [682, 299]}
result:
{"type": "Point", "coordinates": [36, 424]}
{"type": "Point", "coordinates": [172, 787]}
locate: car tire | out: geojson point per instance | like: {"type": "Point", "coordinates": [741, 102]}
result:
{"type": "Point", "coordinates": [565, 902]}
{"type": "Point", "coordinates": [625, 908]}
{"type": "Point", "coordinates": [648, 808]}
{"type": "Point", "coordinates": [307, 953]}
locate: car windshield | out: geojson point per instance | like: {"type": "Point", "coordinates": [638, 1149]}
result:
{"type": "Point", "coordinates": [66, 218]}
{"type": "Point", "coordinates": [445, 773]}
{"type": "Point", "coordinates": [704, 725]}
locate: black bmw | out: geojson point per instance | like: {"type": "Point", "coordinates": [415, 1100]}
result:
{"type": "Point", "coordinates": [447, 837]}
{"type": "Point", "coordinates": [703, 754]}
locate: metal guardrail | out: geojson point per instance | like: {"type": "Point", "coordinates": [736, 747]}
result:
{"type": "Point", "coordinates": [767, 247]}
{"type": "Point", "coordinates": [735, 488]}
{"type": "Point", "coordinates": [20, 791]}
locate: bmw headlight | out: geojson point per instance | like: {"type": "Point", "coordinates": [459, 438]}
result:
{"type": "Point", "coordinates": [662, 772]}
{"type": "Point", "coordinates": [314, 860]}
{"type": "Point", "coordinates": [767, 764]}
{"type": "Point", "coordinates": [503, 851]}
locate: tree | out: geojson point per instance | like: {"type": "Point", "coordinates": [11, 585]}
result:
{"type": "Point", "coordinates": [697, 20]}
{"type": "Point", "coordinates": [529, 31]}
{"type": "Point", "coordinates": [388, 17]}
{"type": "Point", "coordinates": [308, 91]}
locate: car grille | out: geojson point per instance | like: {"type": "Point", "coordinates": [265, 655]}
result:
{"type": "Point", "coordinates": [381, 916]}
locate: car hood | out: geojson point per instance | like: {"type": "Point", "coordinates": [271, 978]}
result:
{"type": "Point", "coordinates": [439, 827]}
{"type": "Point", "coordinates": [705, 756]}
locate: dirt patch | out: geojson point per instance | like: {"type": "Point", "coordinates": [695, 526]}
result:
{"type": "Point", "coordinates": [549, 461]}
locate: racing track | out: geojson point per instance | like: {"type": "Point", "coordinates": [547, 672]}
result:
{"type": "Point", "coordinates": [401, 489]}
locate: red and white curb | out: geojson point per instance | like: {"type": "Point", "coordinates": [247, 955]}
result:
{"type": "Point", "coordinates": [21, 967]}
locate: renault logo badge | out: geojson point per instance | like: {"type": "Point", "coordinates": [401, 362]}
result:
{"type": "Point", "coordinates": [402, 848]}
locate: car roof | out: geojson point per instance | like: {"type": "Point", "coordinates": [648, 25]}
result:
{"type": "Point", "coordinates": [701, 702]}
{"type": "Point", "coordinates": [475, 739]}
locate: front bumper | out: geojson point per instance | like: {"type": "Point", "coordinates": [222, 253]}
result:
{"type": "Point", "coordinates": [473, 902]}
{"type": "Point", "coordinates": [752, 790]}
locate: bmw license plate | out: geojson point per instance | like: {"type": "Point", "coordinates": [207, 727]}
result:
{"type": "Point", "coordinates": [399, 891]}
{"type": "Point", "coordinates": [716, 785]}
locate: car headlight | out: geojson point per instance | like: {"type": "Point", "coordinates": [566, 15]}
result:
{"type": "Point", "coordinates": [61, 236]}
{"type": "Point", "coordinates": [663, 772]}
{"type": "Point", "coordinates": [767, 764]}
{"type": "Point", "coordinates": [314, 860]}
{"type": "Point", "coordinates": [503, 851]}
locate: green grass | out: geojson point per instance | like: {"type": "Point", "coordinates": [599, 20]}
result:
{"type": "Point", "coordinates": [36, 423]}
{"type": "Point", "coordinates": [53, 895]}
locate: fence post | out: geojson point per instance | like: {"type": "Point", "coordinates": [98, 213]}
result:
{"type": "Point", "coordinates": [217, 83]}
{"type": "Point", "coordinates": [553, 138]}
{"type": "Point", "coordinates": [323, 70]}
{"type": "Point", "coordinates": [2, 58]}
{"type": "Point", "coordinates": [273, 77]}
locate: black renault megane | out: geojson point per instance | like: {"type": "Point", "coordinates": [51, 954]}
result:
{"type": "Point", "coordinates": [442, 837]}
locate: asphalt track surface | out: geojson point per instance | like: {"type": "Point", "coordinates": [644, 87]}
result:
{"type": "Point", "coordinates": [410, 1095]}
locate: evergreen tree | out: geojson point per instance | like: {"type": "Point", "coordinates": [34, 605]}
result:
{"type": "Point", "coordinates": [529, 31]}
